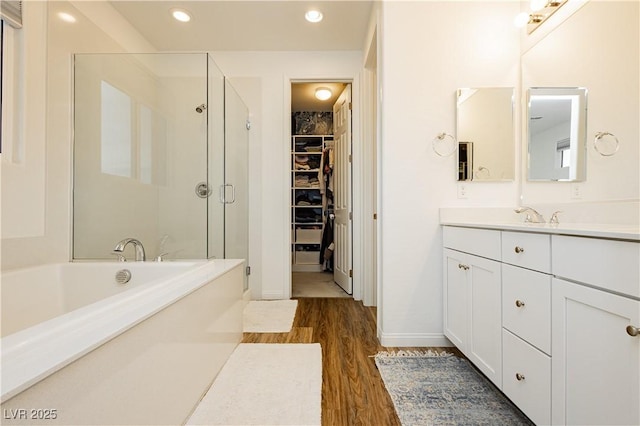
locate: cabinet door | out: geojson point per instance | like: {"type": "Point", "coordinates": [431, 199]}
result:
{"type": "Point", "coordinates": [595, 362]}
{"type": "Point", "coordinates": [484, 346]}
{"type": "Point", "coordinates": [455, 297]}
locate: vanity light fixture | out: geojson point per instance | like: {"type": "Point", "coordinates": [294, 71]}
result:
{"type": "Point", "coordinates": [323, 93]}
{"type": "Point", "coordinates": [537, 5]}
{"type": "Point", "coordinates": [313, 16]}
{"type": "Point", "coordinates": [521, 19]}
{"type": "Point", "coordinates": [540, 10]}
{"type": "Point", "coordinates": [180, 15]}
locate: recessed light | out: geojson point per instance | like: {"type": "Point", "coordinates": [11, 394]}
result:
{"type": "Point", "coordinates": [323, 93]}
{"type": "Point", "coordinates": [66, 17]}
{"type": "Point", "coordinates": [180, 15]}
{"type": "Point", "coordinates": [313, 16]}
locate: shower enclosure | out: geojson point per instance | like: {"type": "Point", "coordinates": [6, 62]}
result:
{"type": "Point", "coordinates": [160, 155]}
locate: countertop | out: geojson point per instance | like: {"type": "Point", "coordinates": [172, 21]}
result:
{"type": "Point", "coordinates": [610, 231]}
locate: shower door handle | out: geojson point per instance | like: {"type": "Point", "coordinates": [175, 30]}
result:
{"type": "Point", "coordinates": [203, 190]}
{"type": "Point", "coordinates": [223, 194]}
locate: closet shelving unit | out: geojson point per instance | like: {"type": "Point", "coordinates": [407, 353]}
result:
{"type": "Point", "coordinates": [307, 201]}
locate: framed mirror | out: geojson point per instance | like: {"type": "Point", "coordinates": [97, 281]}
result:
{"type": "Point", "coordinates": [485, 133]}
{"type": "Point", "coordinates": [557, 121]}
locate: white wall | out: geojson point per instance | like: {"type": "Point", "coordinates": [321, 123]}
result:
{"type": "Point", "coordinates": [263, 80]}
{"type": "Point", "coordinates": [430, 49]}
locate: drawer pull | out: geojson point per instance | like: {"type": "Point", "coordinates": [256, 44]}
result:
{"type": "Point", "coordinates": [519, 377]}
{"type": "Point", "coordinates": [519, 303]}
{"type": "Point", "coordinates": [461, 266]}
{"type": "Point", "coordinates": [519, 249]}
{"type": "Point", "coordinates": [633, 331]}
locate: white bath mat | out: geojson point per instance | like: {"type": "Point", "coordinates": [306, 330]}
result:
{"type": "Point", "coordinates": [265, 384]}
{"type": "Point", "coordinates": [269, 316]}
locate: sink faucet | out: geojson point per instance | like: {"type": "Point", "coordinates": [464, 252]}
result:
{"type": "Point", "coordinates": [532, 215]}
{"type": "Point", "coordinates": [119, 248]}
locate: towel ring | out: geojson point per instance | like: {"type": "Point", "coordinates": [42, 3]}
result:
{"type": "Point", "coordinates": [439, 144]}
{"type": "Point", "coordinates": [599, 138]}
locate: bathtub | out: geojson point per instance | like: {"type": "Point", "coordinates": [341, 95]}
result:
{"type": "Point", "coordinates": [77, 347]}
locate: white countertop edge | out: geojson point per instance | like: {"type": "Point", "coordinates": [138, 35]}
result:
{"type": "Point", "coordinates": [30, 355]}
{"type": "Point", "coordinates": [609, 231]}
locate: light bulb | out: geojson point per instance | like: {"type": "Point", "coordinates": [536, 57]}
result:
{"type": "Point", "coordinates": [537, 5]}
{"type": "Point", "coordinates": [180, 15]}
{"type": "Point", "coordinates": [322, 93]}
{"type": "Point", "coordinates": [313, 16]}
{"type": "Point", "coordinates": [521, 19]}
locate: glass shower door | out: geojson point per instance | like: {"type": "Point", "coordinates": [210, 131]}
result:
{"type": "Point", "coordinates": [236, 194]}
{"type": "Point", "coordinates": [140, 152]}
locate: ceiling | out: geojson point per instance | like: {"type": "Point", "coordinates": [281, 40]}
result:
{"type": "Point", "coordinates": [249, 25]}
{"type": "Point", "coordinates": [238, 25]}
{"type": "Point", "coordinates": [303, 96]}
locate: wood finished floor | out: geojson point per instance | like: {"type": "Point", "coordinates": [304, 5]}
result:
{"type": "Point", "coordinates": [352, 390]}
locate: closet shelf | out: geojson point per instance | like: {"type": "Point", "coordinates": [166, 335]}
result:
{"type": "Point", "coordinates": [306, 237]}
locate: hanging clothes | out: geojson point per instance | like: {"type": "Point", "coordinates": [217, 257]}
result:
{"type": "Point", "coordinates": [325, 174]}
{"type": "Point", "coordinates": [326, 248]}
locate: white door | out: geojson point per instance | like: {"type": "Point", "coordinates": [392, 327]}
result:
{"type": "Point", "coordinates": [342, 190]}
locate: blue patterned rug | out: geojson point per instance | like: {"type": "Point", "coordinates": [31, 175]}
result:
{"type": "Point", "coordinates": [433, 389]}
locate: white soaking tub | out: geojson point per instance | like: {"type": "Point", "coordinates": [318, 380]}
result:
{"type": "Point", "coordinates": [80, 348]}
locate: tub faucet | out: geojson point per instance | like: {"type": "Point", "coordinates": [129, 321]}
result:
{"type": "Point", "coordinates": [532, 215]}
{"type": "Point", "coordinates": [140, 256]}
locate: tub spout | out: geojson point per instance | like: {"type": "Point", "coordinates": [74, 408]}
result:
{"type": "Point", "coordinates": [140, 256]}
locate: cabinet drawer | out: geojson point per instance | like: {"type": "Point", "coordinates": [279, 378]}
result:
{"type": "Point", "coordinates": [481, 242]}
{"type": "Point", "coordinates": [609, 264]}
{"type": "Point", "coordinates": [526, 378]}
{"type": "Point", "coordinates": [526, 305]}
{"type": "Point", "coordinates": [527, 250]}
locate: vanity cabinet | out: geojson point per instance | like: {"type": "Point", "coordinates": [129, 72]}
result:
{"type": "Point", "coordinates": [526, 322]}
{"type": "Point", "coordinates": [472, 309]}
{"type": "Point", "coordinates": [551, 319]}
{"type": "Point", "coordinates": [595, 359]}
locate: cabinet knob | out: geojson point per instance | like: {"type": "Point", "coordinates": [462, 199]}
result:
{"type": "Point", "coordinates": [519, 249]}
{"type": "Point", "coordinates": [519, 377]}
{"type": "Point", "coordinates": [519, 303]}
{"type": "Point", "coordinates": [633, 331]}
{"type": "Point", "coordinates": [461, 266]}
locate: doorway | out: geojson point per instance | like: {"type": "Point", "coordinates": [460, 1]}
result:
{"type": "Point", "coordinates": [321, 234]}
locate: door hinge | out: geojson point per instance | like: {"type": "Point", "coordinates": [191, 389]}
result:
{"type": "Point", "coordinates": [349, 157]}
{"type": "Point", "coordinates": [350, 273]}
{"type": "Point", "coordinates": [350, 106]}
{"type": "Point", "coordinates": [375, 216]}
{"type": "Point", "coordinates": [350, 215]}
{"type": "Point", "coordinates": [248, 270]}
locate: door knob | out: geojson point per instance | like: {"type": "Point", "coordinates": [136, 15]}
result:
{"type": "Point", "coordinates": [519, 303]}
{"type": "Point", "coordinates": [519, 249]}
{"type": "Point", "coordinates": [519, 377]}
{"type": "Point", "coordinates": [633, 331]}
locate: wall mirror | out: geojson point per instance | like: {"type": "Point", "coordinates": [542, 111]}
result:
{"type": "Point", "coordinates": [485, 133]}
{"type": "Point", "coordinates": [556, 118]}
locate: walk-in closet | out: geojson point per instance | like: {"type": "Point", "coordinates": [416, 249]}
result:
{"type": "Point", "coordinates": [313, 161]}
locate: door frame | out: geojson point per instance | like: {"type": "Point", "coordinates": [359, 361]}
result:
{"type": "Point", "coordinates": [356, 173]}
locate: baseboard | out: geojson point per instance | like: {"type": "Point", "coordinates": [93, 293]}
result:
{"type": "Point", "coordinates": [272, 296]}
{"type": "Point", "coordinates": [246, 296]}
{"type": "Point", "coordinates": [414, 339]}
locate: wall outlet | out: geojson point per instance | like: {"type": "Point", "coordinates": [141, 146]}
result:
{"type": "Point", "coordinates": [462, 190]}
{"type": "Point", "coordinates": [576, 191]}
